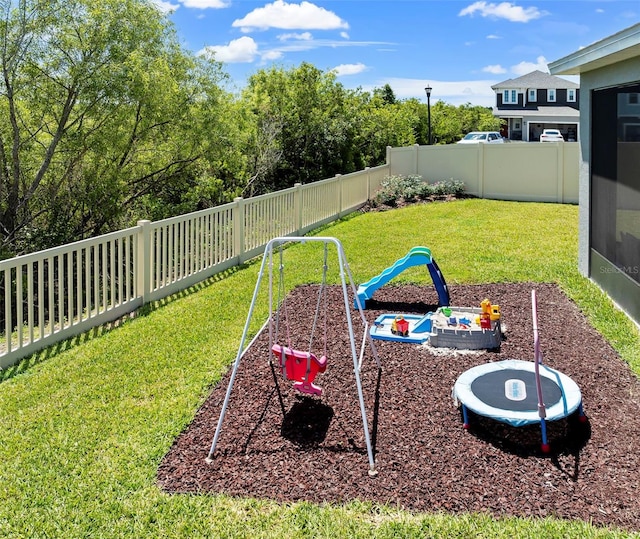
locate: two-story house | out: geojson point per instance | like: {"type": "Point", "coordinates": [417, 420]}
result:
{"type": "Point", "coordinates": [537, 101]}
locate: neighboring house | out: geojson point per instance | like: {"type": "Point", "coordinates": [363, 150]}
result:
{"type": "Point", "coordinates": [609, 188]}
{"type": "Point", "coordinates": [537, 101]}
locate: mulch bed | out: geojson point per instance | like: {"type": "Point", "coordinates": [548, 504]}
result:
{"type": "Point", "coordinates": [280, 445]}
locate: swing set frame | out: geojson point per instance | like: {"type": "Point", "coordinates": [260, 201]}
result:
{"type": "Point", "coordinates": [357, 356]}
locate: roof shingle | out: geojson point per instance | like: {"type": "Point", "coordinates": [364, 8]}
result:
{"type": "Point", "coordinates": [537, 80]}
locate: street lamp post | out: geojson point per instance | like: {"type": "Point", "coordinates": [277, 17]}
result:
{"type": "Point", "coordinates": [428, 91]}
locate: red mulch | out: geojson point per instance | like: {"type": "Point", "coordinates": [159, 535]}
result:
{"type": "Point", "coordinates": [280, 445]}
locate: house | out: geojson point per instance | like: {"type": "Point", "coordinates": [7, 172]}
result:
{"type": "Point", "coordinates": [609, 181]}
{"type": "Point", "coordinates": [537, 101]}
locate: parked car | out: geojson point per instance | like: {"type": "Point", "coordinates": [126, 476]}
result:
{"type": "Point", "coordinates": [551, 135]}
{"type": "Point", "coordinates": [488, 137]}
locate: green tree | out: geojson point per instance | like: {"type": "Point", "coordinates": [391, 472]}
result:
{"type": "Point", "coordinates": [302, 130]}
{"type": "Point", "coordinates": [308, 127]}
{"type": "Point", "coordinates": [101, 111]}
{"type": "Point", "coordinates": [379, 125]}
{"type": "Point", "coordinates": [451, 123]}
{"type": "Point", "coordinates": [386, 93]}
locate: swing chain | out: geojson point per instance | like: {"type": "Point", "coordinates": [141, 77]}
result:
{"type": "Point", "coordinates": [321, 296]}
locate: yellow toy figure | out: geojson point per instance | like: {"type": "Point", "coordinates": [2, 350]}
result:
{"type": "Point", "coordinates": [492, 310]}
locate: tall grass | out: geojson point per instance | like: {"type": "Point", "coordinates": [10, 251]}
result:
{"type": "Point", "coordinates": [85, 425]}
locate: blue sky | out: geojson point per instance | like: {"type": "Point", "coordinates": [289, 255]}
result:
{"type": "Point", "coordinates": [460, 48]}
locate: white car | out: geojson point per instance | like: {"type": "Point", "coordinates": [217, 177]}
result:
{"type": "Point", "coordinates": [488, 137]}
{"type": "Point", "coordinates": [551, 135]}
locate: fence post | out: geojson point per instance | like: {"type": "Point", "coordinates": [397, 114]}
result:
{"type": "Point", "coordinates": [297, 208]}
{"type": "Point", "coordinates": [340, 197]}
{"type": "Point", "coordinates": [238, 229]}
{"type": "Point", "coordinates": [480, 169]}
{"type": "Point", "coordinates": [560, 172]}
{"type": "Point", "coordinates": [143, 260]}
{"type": "Point", "coordinates": [368, 171]}
{"type": "Point", "coordinates": [416, 151]}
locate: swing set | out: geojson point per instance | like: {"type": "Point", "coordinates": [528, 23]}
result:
{"type": "Point", "coordinates": [302, 366]}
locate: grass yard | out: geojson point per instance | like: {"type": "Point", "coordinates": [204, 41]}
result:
{"type": "Point", "coordinates": [84, 425]}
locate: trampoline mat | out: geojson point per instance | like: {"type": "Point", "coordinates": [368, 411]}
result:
{"type": "Point", "coordinates": [519, 390]}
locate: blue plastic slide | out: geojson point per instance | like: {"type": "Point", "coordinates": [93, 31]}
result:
{"type": "Point", "coordinates": [416, 257]}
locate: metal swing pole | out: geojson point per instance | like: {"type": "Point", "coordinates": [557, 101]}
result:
{"type": "Point", "coordinates": [241, 349]}
{"type": "Point", "coordinates": [366, 335]}
{"type": "Point", "coordinates": [356, 362]}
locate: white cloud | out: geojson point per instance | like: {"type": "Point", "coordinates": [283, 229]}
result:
{"type": "Point", "coordinates": [493, 36]}
{"type": "Point", "coordinates": [344, 35]}
{"type": "Point", "coordinates": [271, 55]}
{"type": "Point", "coordinates": [205, 4]}
{"type": "Point", "coordinates": [246, 50]}
{"type": "Point", "coordinates": [301, 45]}
{"type": "Point", "coordinates": [280, 14]}
{"type": "Point", "coordinates": [304, 36]}
{"type": "Point", "coordinates": [496, 69]}
{"type": "Point", "coordinates": [349, 69]}
{"type": "Point", "coordinates": [527, 67]}
{"type": "Point", "coordinates": [165, 7]}
{"type": "Point", "coordinates": [241, 50]}
{"type": "Point", "coordinates": [503, 10]}
{"type": "Point", "coordinates": [476, 92]}
{"type": "Point", "coordinates": [168, 7]}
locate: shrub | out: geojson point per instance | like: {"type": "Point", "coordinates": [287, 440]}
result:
{"type": "Point", "coordinates": [412, 188]}
{"type": "Point", "coordinates": [397, 187]}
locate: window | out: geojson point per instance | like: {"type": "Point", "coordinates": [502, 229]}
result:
{"type": "Point", "coordinates": [533, 97]}
{"type": "Point", "coordinates": [551, 95]}
{"type": "Point", "coordinates": [615, 184]}
{"type": "Point", "coordinates": [571, 95]}
{"type": "Point", "coordinates": [510, 97]}
{"type": "Point", "coordinates": [634, 99]}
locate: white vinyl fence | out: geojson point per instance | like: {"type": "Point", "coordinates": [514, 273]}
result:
{"type": "Point", "coordinates": [55, 294]}
{"type": "Point", "coordinates": [524, 171]}
{"type": "Point", "coordinates": [58, 293]}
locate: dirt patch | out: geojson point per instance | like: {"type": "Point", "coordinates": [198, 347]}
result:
{"type": "Point", "coordinates": [280, 445]}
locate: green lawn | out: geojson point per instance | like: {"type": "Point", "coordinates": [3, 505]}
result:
{"type": "Point", "coordinates": [85, 425]}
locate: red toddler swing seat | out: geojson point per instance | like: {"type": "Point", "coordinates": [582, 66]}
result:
{"type": "Point", "coordinates": [302, 367]}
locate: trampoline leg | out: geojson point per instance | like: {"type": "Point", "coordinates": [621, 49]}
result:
{"type": "Point", "coordinates": [582, 418]}
{"type": "Point", "coordinates": [465, 417]}
{"type": "Point", "coordinates": [545, 444]}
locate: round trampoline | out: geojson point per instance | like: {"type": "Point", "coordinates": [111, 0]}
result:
{"type": "Point", "coordinates": [518, 392]}
{"type": "Point", "coordinates": [506, 391]}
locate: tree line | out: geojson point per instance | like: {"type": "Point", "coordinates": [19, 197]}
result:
{"type": "Point", "coordinates": [106, 119]}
